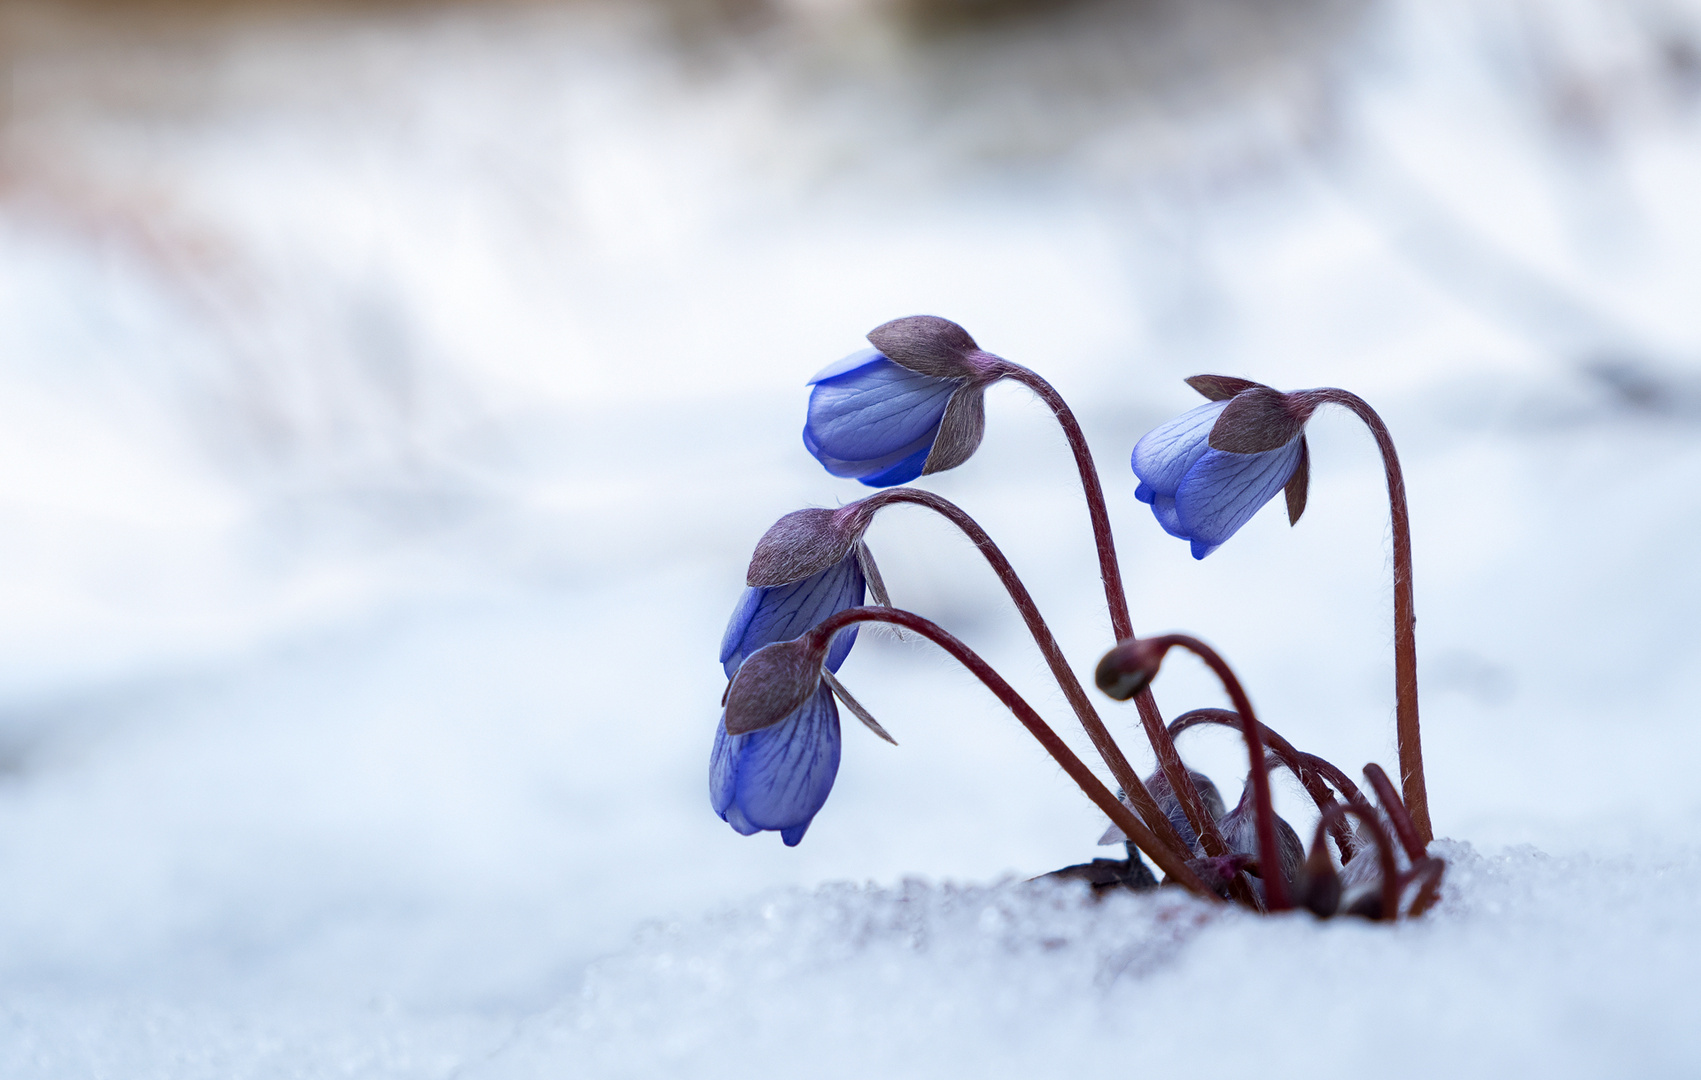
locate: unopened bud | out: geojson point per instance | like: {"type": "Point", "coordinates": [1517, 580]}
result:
{"type": "Point", "coordinates": [772, 683]}
{"type": "Point", "coordinates": [1319, 884]}
{"type": "Point", "coordinates": [1130, 667]}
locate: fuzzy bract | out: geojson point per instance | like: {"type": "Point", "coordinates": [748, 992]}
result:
{"type": "Point", "coordinates": [778, 778]}
{"type": "Point", "coordinates": [1202, 494]}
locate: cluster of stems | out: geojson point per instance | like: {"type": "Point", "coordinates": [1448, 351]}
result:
{"type": "Point", "coordinates": [1208, 867]}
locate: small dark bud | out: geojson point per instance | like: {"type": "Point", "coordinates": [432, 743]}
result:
{"type": "Point", "coordinates": [1319, 885]}
{"type": "Point", "coordinates": [930, 345]}
{"type": "Point", "coordinates": [774, 682]}
{"type": "Point", "coordinates": [802, 543]}
{"type": "Point", "coordinates": [1256, 420]}
{"type": "Point", "coordinates": [1130, 667]}
{"type": "Point", "coordinates": [1221, 387]}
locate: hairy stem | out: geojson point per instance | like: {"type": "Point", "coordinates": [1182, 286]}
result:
{"type": "Point", "coordinates": [1073, 691]}
{"type": "Point", "coordinates": [1310, 777]}
{"type": "Point", "coordinates": [1405, 615]}
{"type": "Point", "coordinates": [1404, 827]}
{"type": "Point", "coordinates": [1116, 599]}
{"type": "Point", "coordinates": [1275, 888]}
{"type": "Point", "coordinates": [1101, 796]}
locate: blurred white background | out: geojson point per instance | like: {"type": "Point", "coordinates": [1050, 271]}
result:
{"type": "Point", "coordinates": [391, 397]}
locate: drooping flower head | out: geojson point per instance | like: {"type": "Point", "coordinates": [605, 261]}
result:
{"type": "Point", "coordinates": [1206, 472]}
{"type": "Point", "coordinates": [912, 404]}
{"type": "Point", "coordinates": [779, 777]}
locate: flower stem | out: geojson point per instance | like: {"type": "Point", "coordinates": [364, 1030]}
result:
{"type": "Point", "coordinates": [1121, 624]}
{"type": "Point", "coordinates": [1116, 599]}
{"type": "Point", "coordinates": [1405, 616]}
{"type": "Point", "coordinates": [1275, 888]}
{"type": "Point", "coordinates": [1404, 827]}
{"type": "Point", "coordinates": [1095, 790]}
{"type": "Point", "coordinates": [1106, 746]}
{"type": "Point", "coordinates": [1301, 765]}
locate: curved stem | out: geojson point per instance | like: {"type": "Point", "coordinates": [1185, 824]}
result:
{"type": "Point", "coordinates": [1073, 691]}
{"type": "Point", "coordinates": [1405, 615]}
{"type": "Point", "coordinates": [1101, 796]}
{"type": "Point", "coordinates": [1429, 890]}
{"type": "Point", "coordinates": [1275, 888]}
{"type": "Point", "coordinates": [1404, 827]}
{"type": "Point", "coordinates": [1299, 764]}
{"type": "Point", "coordinates": [1116, 599]}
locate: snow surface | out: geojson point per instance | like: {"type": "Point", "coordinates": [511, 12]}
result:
{"type": "Point", "coordinates": [388, 405]}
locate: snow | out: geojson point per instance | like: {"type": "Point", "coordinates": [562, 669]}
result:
{"type": "Point", "coordinates": [389, 404]}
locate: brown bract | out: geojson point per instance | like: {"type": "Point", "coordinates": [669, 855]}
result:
{"type": "Point", "coordinates": [929, 345]}
{"type": "Point", "coordinates": [1257, 419]}
{"type": "Point", "coordinates": [960, 429]}
{"type": "Point", "coordinates": [802, 543]}
{"type": "Point", "coordinates": [1221, 387]}
{"type": "Point", "coordinates": [774, 682]}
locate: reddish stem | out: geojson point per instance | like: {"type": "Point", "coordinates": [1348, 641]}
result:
{"type": "Point", "coordinates": [1429, 874]}
{"type": "Point", "coordinates": [1112, 754]}
{"type": "Point", "coordinates": [1116, 599]}
{"type": "Point", "coordinates": [1390, 800]}
{"type": "Point", "coordinates": [1275, 888]}
{"type": "Point", "coordinates": [1405, 615]}
{"type": "Point", "coordinates": [1121, 624]}
{"type": "Point", "coordinates": [1101, 796]}
{"type": "Point", "coordinates": [1296, 762]}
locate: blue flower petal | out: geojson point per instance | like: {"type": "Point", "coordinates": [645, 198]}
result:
{"type": "Point", "coordinates": [1222, 491]}
{"type": "Point", "coordinates": [783, 612]}
{"type": "Point", "coordinates": [904, 471]}
{"type": "Point", "coordinates": [877, 413]}
{"type": "Point", "coordinates": [1163, 508]}
{"type": "Point", "coordinates": [850, 362]}
{"type": "Point", "coordinates": [1164, 455]}
{"type": "Point", "coordinates": [737, 625]}
{"type": "Point", "coordinates": [784, 773]}
{"type": "Point", "coordinates": [857, 470]}
{"type": "Point", "coordinates": [722, 770]}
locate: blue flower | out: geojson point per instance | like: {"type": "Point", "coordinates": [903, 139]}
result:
{"type": "Point", "coordinates": [1206, 472]}
{"type": "Point", "coordinates": [914, 404]}
{"type": "Point", "coordinates": [779, 777]}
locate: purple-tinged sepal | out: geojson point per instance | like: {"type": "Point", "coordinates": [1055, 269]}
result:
{"type": "Point", "coordinates": [801, 544]}
{"type": "Point", "coordinates": [771, 684]}
{"type": "Point", "coordinates": [930, 345]}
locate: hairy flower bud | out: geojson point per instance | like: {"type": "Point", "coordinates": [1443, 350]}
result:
{"type": "Point", "coordinates": [929, 345]}
{"type": "Point", "coordinates": [1130, 667]}
{"type": "Point", "coordinates": [802, 543]}
{"type": "Point", "coordinates": [773, 682]}
{"type": "Point", "coordinates": [1319, 884]}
